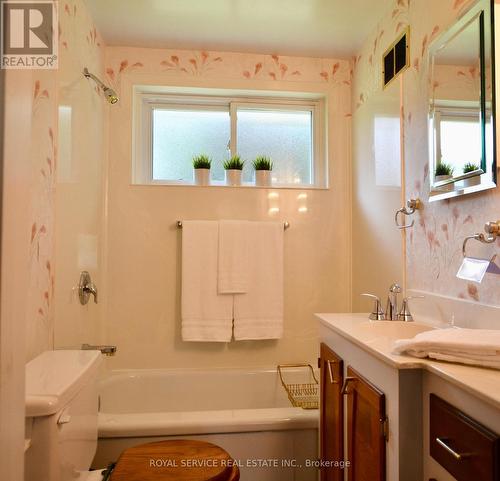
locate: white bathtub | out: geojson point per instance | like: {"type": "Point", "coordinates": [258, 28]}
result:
{"type": "Point", "coordinates": [247, 412]}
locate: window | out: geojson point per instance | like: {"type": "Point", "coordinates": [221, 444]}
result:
{"type": "Point", "coordinates": [171, 129]}
{"type": "Point", "coordinates": [458, 136]}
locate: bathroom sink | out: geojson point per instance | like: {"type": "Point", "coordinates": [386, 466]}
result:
{"type": "Point", "coordinates": [393, 329]}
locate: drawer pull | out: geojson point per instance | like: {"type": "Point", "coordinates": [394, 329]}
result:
{"type": "Point", "coordinates": [332, 380]}
{"type": "Point", "coordinates": [345, 387]}
{"type": "Point", "coordinates": [458, 456]}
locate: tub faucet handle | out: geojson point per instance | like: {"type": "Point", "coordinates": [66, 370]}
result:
{"type": "Point", "coordinates": [85, 288]}
{"type": "Point", "coordinates": [377, 313]}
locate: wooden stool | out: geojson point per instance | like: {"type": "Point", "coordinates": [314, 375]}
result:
{"type": "Point", "coordinates": [178, 460]}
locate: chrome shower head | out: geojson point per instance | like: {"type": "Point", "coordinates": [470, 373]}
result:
{"type": "Point", "coordinates": [109, 93]}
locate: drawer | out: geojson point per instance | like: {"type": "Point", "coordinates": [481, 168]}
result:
{"type": "Point", "coordinates": [465, 448]}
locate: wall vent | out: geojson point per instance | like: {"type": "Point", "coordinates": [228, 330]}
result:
{"type": "Point", "coordinates": [396, 58]}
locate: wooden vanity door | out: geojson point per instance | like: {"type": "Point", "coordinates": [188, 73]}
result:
{"type": "Point", "coordinates": [366, 425]}
{"type": "Point", "coordinates": [331, 413]}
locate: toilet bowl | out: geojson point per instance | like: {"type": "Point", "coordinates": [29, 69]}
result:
{"type": "Point", "coordinates": [61, 431]}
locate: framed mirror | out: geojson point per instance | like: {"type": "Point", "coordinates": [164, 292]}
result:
{"type": "Point", "coordinates": [462, 106]}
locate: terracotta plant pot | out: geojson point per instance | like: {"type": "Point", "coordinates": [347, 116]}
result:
{"type": "Point", "coordinates": [202, 176]}
{"type": "Point", "coordinates": [233, 177]}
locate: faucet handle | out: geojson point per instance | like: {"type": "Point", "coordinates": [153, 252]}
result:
{"type": "Point", "coordinates": [404, 313]}
{"type": "Point", "coordinates": [377, 313]}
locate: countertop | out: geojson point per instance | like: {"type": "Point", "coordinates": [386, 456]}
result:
{"type": "Point", "coordinates": [482, 383]}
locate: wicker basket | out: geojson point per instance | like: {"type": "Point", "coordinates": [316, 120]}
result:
{"type": "Point", "coordinates": [304, 395]}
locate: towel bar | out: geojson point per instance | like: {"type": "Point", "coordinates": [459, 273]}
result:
{"type": "Point", "coordinates": [286, 224]}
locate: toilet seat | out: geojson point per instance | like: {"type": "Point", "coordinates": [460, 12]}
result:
{"type": "Point", "coordinates": [179, 460]}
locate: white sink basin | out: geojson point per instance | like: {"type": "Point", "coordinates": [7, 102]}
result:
{"type": "Point", "coordinates": [393, 329]}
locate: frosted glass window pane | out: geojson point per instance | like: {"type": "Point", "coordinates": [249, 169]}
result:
{"type": "Point", "coordinates": [285, 136]}
{"type": "Point", "coordinates": [460, 143]}
{"type": "Point", "coordinates": [179, 135]}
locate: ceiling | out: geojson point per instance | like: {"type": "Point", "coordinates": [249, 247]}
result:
{"type": "Point", "coordinates": [316, 28]}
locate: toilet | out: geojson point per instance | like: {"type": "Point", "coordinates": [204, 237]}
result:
{"type": "Point", "coordinates": [61, 431]}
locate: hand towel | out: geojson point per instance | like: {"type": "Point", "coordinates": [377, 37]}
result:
{"type": "Point", "coordinates": [258, 314]}
{"type": "Point", "coordinates": [479, 347]}
{"type": "Point", "coordinates": [206, 316]}
{"type": "Point", "coordinates": [233, 257]}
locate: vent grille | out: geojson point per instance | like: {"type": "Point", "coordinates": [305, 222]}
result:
{"type": "Point", "coordinates": [396, 58]}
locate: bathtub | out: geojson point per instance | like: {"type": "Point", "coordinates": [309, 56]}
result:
{"type": "Point", "coordinates": [245, 411]}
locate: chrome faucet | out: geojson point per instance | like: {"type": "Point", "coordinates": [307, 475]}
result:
{"type": "Point", "coordinates": [377, 313]}
{"type": "Point", "coordinates": [391, 310]}
{"type": "Point", "coordinates": [106, 350]}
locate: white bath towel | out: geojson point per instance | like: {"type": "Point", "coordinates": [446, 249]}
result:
{"type": "Point", "coordinates": [233, 256]}
{"type": "Point", "coordinates": [206, 315]}
{"type": "Point", "coordinates": [258, 314]}
{"type": "Point", "coordinates": [480, 347]}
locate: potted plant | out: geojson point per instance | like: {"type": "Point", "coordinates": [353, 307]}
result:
{"type": "Point", "coordinates": [233, 168]}
{"type": "Point", "coordinates": [444, 171]}
{"type": "Point", "coordinates": [474, 180]}
{"type": "Point", "coordinates": [201, 165]}
{"type": "Point", "coordinates": [263, 167]}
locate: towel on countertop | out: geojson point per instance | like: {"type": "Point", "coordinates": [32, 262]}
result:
{"type": "Point", "coordinates": [479, 347]}
{"type": "Point", "coordinates": [258, 314]}
{"type": "Point", "coordinates": [233, 257]}
{"type": "Point", "coordinates": [206, 315]}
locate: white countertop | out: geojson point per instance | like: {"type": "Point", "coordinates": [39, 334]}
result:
{"type": "Point", "coordinates": [481, 382]}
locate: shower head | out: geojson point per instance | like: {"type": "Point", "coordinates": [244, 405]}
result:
{"type": "Point", "coordinates": [108, 92]}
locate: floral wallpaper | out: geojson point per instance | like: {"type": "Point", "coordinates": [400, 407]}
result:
{"type": "Point", "coordinates": [230, 65]}
{"type": "Point", "coordinates": [76, 35]}
{"type": "Point", "coordinates": [434, 245]}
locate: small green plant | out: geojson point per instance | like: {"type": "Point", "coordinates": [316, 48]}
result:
{"type": "Point", "coordinates": [262, 163]}
{"type": "Point", "coordinates": [234, 163]}
{"type": "Point", "coordinates": [470, 167]}
{"type": "Point", "coordinates": [444, 169]}
{"type": "Point", "coordinates": [202, 162]}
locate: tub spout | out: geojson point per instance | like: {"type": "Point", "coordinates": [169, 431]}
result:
{"type": "Point", "coordinates": [106, 350]}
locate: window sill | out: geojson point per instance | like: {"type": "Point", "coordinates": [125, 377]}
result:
{"type": "Point", "coordinates": [218, 184]}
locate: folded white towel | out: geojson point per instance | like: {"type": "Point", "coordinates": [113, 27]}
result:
{"type": "Point", "coordinates": [258, 314]}
{"type": "Point", "coordinates": [206, 316]}
{"type": "Point", "coordinates": [233, 257]}
{"type": "Point", "coordinates": [479, 347]}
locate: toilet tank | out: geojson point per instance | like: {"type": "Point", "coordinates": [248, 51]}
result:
{"type": "Point", "coordinates": [61, 415]}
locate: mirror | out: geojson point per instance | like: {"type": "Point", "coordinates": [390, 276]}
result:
{"type": "Point", "coordinates": [461, 106]}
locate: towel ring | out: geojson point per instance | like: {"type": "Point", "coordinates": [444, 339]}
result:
{"type": "Point", "coordinates": [492, 230]}
{"type": "Point", "coordinates": [411, 206]}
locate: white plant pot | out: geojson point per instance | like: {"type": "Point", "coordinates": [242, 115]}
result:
{"type": "Point", "coordinates": [202, 176]}
{"type": "Point", "coordinates": [476, 180]}
{"type": "Point", "coordinates": [263, 178]}
{"type": "Point", "coordinates": [447, 187]}
{"type": "Point", "coordinates": [233, 177]}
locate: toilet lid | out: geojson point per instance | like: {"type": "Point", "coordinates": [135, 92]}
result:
{"type": "Point", "coordinates": [180, 460]}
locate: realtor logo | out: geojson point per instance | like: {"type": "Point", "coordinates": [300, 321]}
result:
{"type": "Point", "coordinates": [29, 35]}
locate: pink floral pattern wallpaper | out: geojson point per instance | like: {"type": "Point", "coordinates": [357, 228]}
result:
{"type": "Point", "coordinates": [434, 245]}
{"type": "Point", "coordinates": [79, 42]}
{"type": "Point", "coordinates": [184, 64]}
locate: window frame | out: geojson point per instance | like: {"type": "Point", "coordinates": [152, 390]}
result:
{"type": "Point", "coordinates": [142, 137]}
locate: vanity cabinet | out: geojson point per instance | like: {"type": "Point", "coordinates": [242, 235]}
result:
{"type": "Point", "coordinates": [352, 409]}
{"type": "Point", "coordinates": [331, 413]}
{"type": "Point", "coordinates": [365, 429]}
{"type": "Point", "coordinates": [465, 448]}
